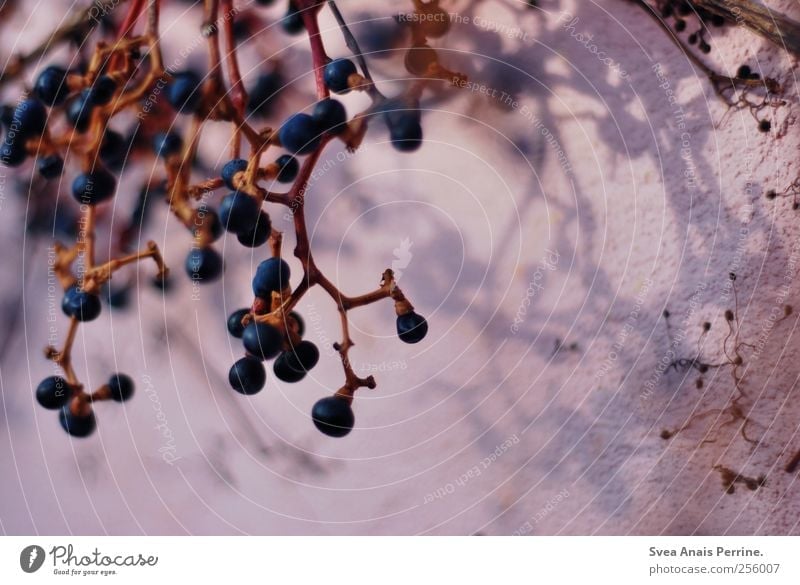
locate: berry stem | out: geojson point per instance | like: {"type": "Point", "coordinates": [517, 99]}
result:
{"type": "Point", "coordinates": [152, 33]}
{"type": "Point", "coordinates": [237, 90]}
{"type": "Point", "coordinates": [63, 262]}
{"type": "Point", "coordinates": [214, 82]}
{"type": "Point", "coordinates": [309, 10]}
{"type": "Point", "coordinates": [88, 240]}
{"type": "Point", "coordinates": [720, 83]}
{"type": "Point", "coordinates": [99, 275]}
{"type": "Point", "coordinates": [102, 393]}
{"type": "Point", "coordinates": [352, 44]}
{"type": "Point", "coordinates": [134, 11]}
{"type": "Point", "coordinates": [179, 174]}
{"type": "Point", "coordinates": [275, 241]}
{"type": "Point", "coordinates": [351, 381]}
{"type": "Point", "coordinates": [793, 463]}
{"type": "Point", "coordinates": [74, 29]}
{"type": "Point", "coordinates": [64, 357]}
{"type": "Point", "coordinates": [770, 24]}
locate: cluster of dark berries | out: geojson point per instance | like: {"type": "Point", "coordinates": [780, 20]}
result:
{"type": "Point", "coordinates": [57, 90]}
{"type": "Point", "coordinates": [681, 10]}
{"type": "Point", "coordinates": [67, 116]}
{"type": "Point", "coordinates": [301, 133]}
{"type": "Point", "coordinates": [76, 97]}
{"type": "Point", "coordinates": [74, 409]}
{"type": "Point", "coordinates": [281, 340]}
{"type": "Point", "coordinates": [265, 341]}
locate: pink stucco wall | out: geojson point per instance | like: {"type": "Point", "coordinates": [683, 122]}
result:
{"type": "Point", "coordinates": [565, 198]}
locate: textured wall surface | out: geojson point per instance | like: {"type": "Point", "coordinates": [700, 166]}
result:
{"type": "Point", "coordinates": [587, 181]}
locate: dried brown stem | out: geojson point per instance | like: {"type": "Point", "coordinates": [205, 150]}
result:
{"type": "Point", "coordinates": [76, 28]}
{"type": "Point", "coordinates": [723, 85]}
{"type": "Point", "coordinates": [770, 24]}
{"type": "Point", "coordinates": [793, 463]}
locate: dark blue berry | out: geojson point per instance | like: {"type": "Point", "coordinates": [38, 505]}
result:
{"type": "Point", "coordinates": [53, 392]}
{"type": "Point", "coordinates": [272, 275]}
{"type": "Point", "coordinates": [80, 304]}
{"type": "Point", "coordinates": [247, 376]}
{"type": "Point", "coordinates": [337, 73]}
{"type": "Point", "coordinates": [51, 85]}
{"type": "Point", "coordinates": [205, 218]}
{"type": "Point", "coordinates": [167, 144]}
{"type": "Point", "coordinates": [77, 426]}
{"type": "Point", "coordinates": [303, 356]}
{"type": "Point", "coordinates": [117, 297]}
{"type": "Point", "coordinates": [289, 167]}
{"type": "Point", "coordinates": [258, 235]}
{"type": "Point", "coordinates": [333, 416]}
{"type": "Point", "coordinates": [239, 212]}
{"type": "Point", "coordinates": [50, 167]}
{"type": "Point", "coordinates": [94, 187]}
{"type": "Point", "coordinates": [405, 129]}
{"type": "Point", "coordinates": [64, 222]}
{"type": "Point", "coordinates": [300, 134]}
{"type": "Point", "coordinates": [378, 37]}
{"type": "Point", "coordinates": [295, 323]}
{"type": "Point", "coordinates": [162, 283]}
{"type": "Point", "coordinates": [204, 264]}
{"type": "Point", "coordinates": [301, 325]}
{"type": "Point", "coordinates": [230, 169]}
{"type": "Point", "coordinates": [148, 194]}
{"type": "Point", "coordinates": [6, 114]}
{"type": "Point", "coordinates": [407, 138]}
{"type": "Point", "coordinates": [102, 91]}
{"type": "Point", "coordinates": [284, 372]}
{"type": "Point", "coordinates": [411, 327]}
{"type": "Point", "coordinates": [79, 111]}
{"type": "Point", "coordinates": [184, 93]}
{"type": "Point", "coordinates": [262, 340]}
{"type": "Point", "coordinates": [30, 117]}
{"type": "Point", "coordinates": [235, 326]}
{"type": "Point", "coordinates": [263, 94]}
{"type": "Point", "coordinates": [242, 30]}
{"type": "Point", "coordinates": [113, 149]}
{"type": "Point", "coordinates": [292, 23]}
{"type": "Point", "coordinates": [121, 387]}
{"type": "Point", "coordinates": [331, 116]}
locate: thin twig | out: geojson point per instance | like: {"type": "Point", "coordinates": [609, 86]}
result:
{"type": "Point", "coordinates": [82, 22]}
{"type": "Point", "coordinates": [773, 26]}
{"type": "Point", "coordinates": [352, 44]}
